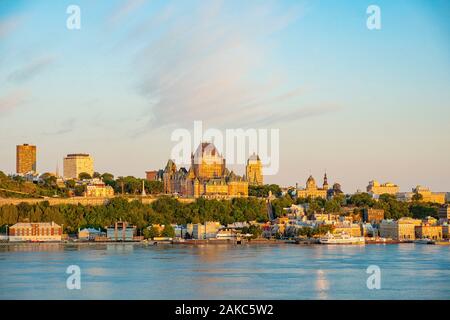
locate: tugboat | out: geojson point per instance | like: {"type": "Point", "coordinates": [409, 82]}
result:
{"type": "Point", "coordinates": [342, 238]}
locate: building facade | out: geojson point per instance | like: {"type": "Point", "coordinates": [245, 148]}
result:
{"type": "Point", "coordinates": [25, 159]}
{"type": "Point", "coordinates": [35, 232]}
{"type": "Point", "coordinates": [428, 231]}
{"type": "Point", "coordinates": [253, 171]}
{"type": "Point", "coordinates": [444, 213]}
{"type": "Point", "coordinates": [121, 231]}
{"type": "Point", "coordinates": [207, 177]}
{"type": "Point", "coordinates": [375, 188]}
{"type": "Point", "coordinates": [76, 163]}
{"type": "Point", "coordinates": [402, 229]}
{"type": "Point", "coordinates": [97, 188]}
{"type": "Point", "coordinates": [428, 196]}
{"type": "Point", "coordinates": [372, 215]}
{"type": "Point", "coordinates": [312, 190]}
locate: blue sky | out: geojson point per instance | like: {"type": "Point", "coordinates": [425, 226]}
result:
{"type": "Point", "coordinates": [360, 104]}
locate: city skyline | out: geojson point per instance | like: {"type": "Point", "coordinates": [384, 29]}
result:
{"type": "Point", "coordinates": [356, 103]}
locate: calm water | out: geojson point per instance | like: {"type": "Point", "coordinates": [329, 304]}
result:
{"type": "Point", "coordinates": [126, 271]}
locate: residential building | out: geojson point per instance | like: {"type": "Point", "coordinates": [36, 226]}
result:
{"type": "Point", "coordinates": [121, 231]}
{"type": "Point", "coordinates": [204, 231]}
{"type": "Point", "coordinates": [207, 177]}
{"type": "Point", "coordinates": [89, 234]}
{"type": "Point", "coordinates": [352, 229]}
{"type": "Point", "coordinates": [35, 232]}
{"type": "Point", "coordinates": [428, 196]}
{"type": "Point", "coordinates": [428, 231]}
{"type": "Point", "coordinates": [254, 171]}
{"type": "Point", "coordinates": [154, 175]}
{"type": "Point", "coordinates": [25, 159]}
{"type": "Point", "coordinates": [444, 213]}
{"type": "Point", "coordinates": [77, 163]}
{"type": "Point", "coordinates": [312, 190]}
{"type": "Point", "coordinates": [375, 188]}
{"type": "Point", "coordinates": [97, 188]}
{"type": "Point", "coordinates": [402, 229]}
{"type": "Point", "coordinates": [372, 215]}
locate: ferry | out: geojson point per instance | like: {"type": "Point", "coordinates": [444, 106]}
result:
{"type": "Point", "coordinates": [342, 238]}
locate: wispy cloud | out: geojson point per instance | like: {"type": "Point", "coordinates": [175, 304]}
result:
{"type": "Point", "coordinates": [32, 69]}
{"type": "Point", "coordinates": [13, 100]}
{"type": "Point", "coordinates": [214, 65]}
{"type": "Point", "coordinates": [126, 8]}
{"type": "Point", "coordinates": [9, 25]}
{"type": "Point", "coordinates": [65, 126]}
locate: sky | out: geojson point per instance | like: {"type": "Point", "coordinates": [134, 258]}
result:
{"type": "Point", "coordinates": [359, 104]}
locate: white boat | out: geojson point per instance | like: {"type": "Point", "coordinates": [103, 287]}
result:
{"type": "Point", "coordinates": [424, 241]}
{"type": "Point", "coordinates": [342, 238]}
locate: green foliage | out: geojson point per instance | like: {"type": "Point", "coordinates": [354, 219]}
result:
{"type": "Point", "coordinates": [263, 191]}
{"type": "Point", "coordinates": [393, 209]}
{"type": "Point", "coordinates": [164, 210]}
{"type": "Point", "coordinates": [168, 231]}
{"type": "Point", "coordinates": [84, 176]}
{"type": "Point", "coordinates": [254, 230]}
{"type": "Point", "coordinates": [423, 210]}
{"type": "Point", "coordinates": [17, 187]}
{"type": "Point", "coordinates": [151, 232]}
{"type": "Point", "coordinates": [280, 203]}
{"type": "Point", "coordinates": [362, 200]}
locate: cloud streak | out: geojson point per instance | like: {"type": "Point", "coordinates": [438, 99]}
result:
{"type": "Point", "coordinates": [31, 70]}
{"type": "Point", "coordinates": [9, 25]}
{"type": "Point", "coordinates": [215, 66]}
{"type": "Point", "coordinates": [13, 100]}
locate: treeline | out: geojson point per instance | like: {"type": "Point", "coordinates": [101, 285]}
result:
{"type": "Point", "coordinates": [48, 186]}
{"type": "Point", "coordinates": [393, 209]}
{"type": "Point", "coordinates": [164, 210]}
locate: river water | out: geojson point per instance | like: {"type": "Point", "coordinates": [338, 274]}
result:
{"type": "Point", "coordinates": [135, 271]}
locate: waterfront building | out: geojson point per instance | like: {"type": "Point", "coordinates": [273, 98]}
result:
{"type": "Point", "coordinates": [372, 215]}
{"type": "Point", "coordinates": [312, 190]}
{"type": "Point", "coordinates": [444, 213]}
{"type": "Point", "coordinates": [375, 188]}
{"type": "Point", "coordinates": [428, 196]}
{"type": "Point", "coordinates": [254, 171]}
{"type": "Point", "coordinates": [35, 232]}
{"type": "Point", "coordinates": [352, 229]}
{"type": "Point", "coordinates": [89, 234]}
{"type": "Point", "coordinates": [121, 231]}
{"type": "Point", "coordinates": [77, 163]}
{"type": "Point", "coordinates": [206, 230]}
{"type": "Point", "coordinates": [97, 188]}
{"type": "Point", "coordinates": [429, 231]}
{"type": "Point", "coordinates": [445, 231]}
{"type": "Point", "coordinates": [402, 229]}
{"type": "Point", "coordinates": [25, 159]}
{"type": "Point", "coordinates": [207, 177]}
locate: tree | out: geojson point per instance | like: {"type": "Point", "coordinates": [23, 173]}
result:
{"type": "Point", "coordinates": [70, 184]}
{"type": "Point", "coordinates": [417, 197]}
{"type": "Point", "coordinates": [150, 233]}
{"type": "Point", "coordinates": [84, 176]}
{"type": "Point", "coordinates": [96, 175]}
{"type": "Point", "coordinates": [362, 200]}
{"type": "Point", "coordinates": [168, 231]}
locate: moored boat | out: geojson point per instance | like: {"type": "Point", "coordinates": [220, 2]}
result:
{"type": "Point", "coordinates": [342, 238]}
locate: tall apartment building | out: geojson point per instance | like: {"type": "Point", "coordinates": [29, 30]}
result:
{"type": "Point", "coordinates": [74, 164]}
{"type": "Point", "coordinates": [25, 158]}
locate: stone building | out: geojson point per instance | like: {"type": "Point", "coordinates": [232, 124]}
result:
{"type": "Point", "coordinates": [312, 190]}
{"type": "Point", "coordinates": [428, 196]}
{"type": "Point", "coordinates": [444, 213]}
{"type": "Point", "coordinates": [428, 231]}
{"type": "Point", "coordinates": [402, 229]}
{"type": "Point", "coordinates": [207, 177]}
{"type": "Point", "coordinates": [375, 188]}
{"type": "Point", "coordinates": [77, 163]}
{"type": "Point", "coordinates": [253, 171]}
{"type": "Point", "coordinates": [373, 215]}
